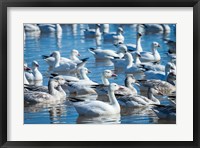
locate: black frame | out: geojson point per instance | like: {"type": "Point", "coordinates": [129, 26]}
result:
{"type": "Point", "coordinates": [98, 3]}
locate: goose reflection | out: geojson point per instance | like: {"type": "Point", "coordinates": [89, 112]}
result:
{"type": "Point", "coordinates": [111, 119]}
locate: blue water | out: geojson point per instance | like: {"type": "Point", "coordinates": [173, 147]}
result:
{"type": "Point", "coordinates": [64, 112]}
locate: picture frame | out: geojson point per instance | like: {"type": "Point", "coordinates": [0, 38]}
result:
{"type": "Point", "coordinates": [100, 3]}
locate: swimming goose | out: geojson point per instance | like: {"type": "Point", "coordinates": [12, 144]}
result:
{"type": "Point", "coordinates": [138, 100]}
{"type": "Point", "coordinates": [98, 108]}
{"type": "Point", "coordinates": [48, 28]}
{"type": "Point", "coordinates": [31, 28]}
{"type": "Point", "coordinates": [137, 46]}
{"type": "Point", "coordinates": [155, 28]}
{"type": "Point", "coordinates": [128, 89]}
{"type": "Point", "coordinates": [112, 37]}
{"type": "Point", "coordinates": [65, 68]}
{"type": "Point", "coordinates": [92, 33]}
{"type": "Point", "coordinates": [73, 59]}
{"type": "Point", "coordinates": [132, 68]}
{"type": "Point", "coordinates": [171, 78]}
{"type": "Point", "coordinates": [35, 75]}
{"type": "Point", "coordinates": [161, 75]}
{"type": "Point", "coordinates": [165, 112]}
{"type": "Point", "coordinates": [153, 56]}
{"type": "Point", "coordinates": [164, 88]}
{"type": "Point", "coordinates": [52, 95]}
{"type": "Point", "coordinates": [103, 54]}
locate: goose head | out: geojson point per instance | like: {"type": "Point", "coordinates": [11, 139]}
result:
{"type": "Point", "coordinates": [120, 30]}
{"type": "Point", "coordinates": [35, 64]}
{"type": "Point", "coordinates": [130, 79]}
{"type": "Point", "coordinates": [122, 48]}
{"type": "Point", "coordinates": [169, 67]}
{"type": "Point", "coordinates": [55, 54]}
{"type": "Point", "coordinates": [155, 45]}
{"type": "Point", "coordinates": [75, 52]}
{"type": "Point", "coordinates": [113, 87]}
{"type": "Point", "coordinates": [26, 68]}
{"type": "Point", "coordinates": [84, 70]}
{"type": "Point", "coordinates": [139, 34]}
{"type": "Point", "coordinates": [108, 74]}
{"type": "Point", "coordinates": [60, 80]}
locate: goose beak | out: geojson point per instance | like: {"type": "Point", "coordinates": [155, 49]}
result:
{"type": "Point", "coordinates": [159, 45]}
{"type": "Point", "coordinates": [89, 71]}
{"type": "Point", "coordinates": [137, 84]}
{"type": "Point", "coordinates": [121, 88]}
{"type": "Point", "coordinates": [27, 68]}
{"type": "Point", "coordinates": [114, 75]}
{"type": "Point", "coordinates": [79, 54]}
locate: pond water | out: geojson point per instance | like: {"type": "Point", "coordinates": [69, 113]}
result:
{"type": "Point", "coordinates": [36, 45]}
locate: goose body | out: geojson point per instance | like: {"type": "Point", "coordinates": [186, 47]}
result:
{"type": "Point", "coordinates": [98, 108]}
{"type": "Point", "coordinates": [112, 37]}
{"type": "Point", "coordinates": [165, 112]}
{"type": "Point", "coordinates": [52, 95]}
{"type": "Point", "coordinates": [92, 33]}
{"type": "Point", "coordinates": [138, 100]}
{"type": "Point", "coordinates": [153, 56]}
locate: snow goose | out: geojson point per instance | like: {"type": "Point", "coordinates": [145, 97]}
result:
{"type": "Point", "coordinates": [98, 108]}
{"type": "Point", "coordinates": [171, 78]}
{"type": "Point", "coordinates": [103, 54]}
{"type": "Point", "coordinates": [138, 100]}
{"type": "Point", "coordinates": [48, 28]}
{"type": "Point", "coordinates": [163, 87]}
{"type": "Point", "coordinates": [153, 56]}
{"type": "Point", "coordinates": [31, 28]}
{"type": "Point", "coordinates": [73, 59]}
{"type": "Point", "coordinates": [165, 112]}
{"type": "Point", "coordinates": [92, 33]}
{"type": "Point", "coordinates": [112, 37]}
{"type": "Point", "coordinates": [128, 89]}
{"type": "Point", "coordinates": [132, 68]}
{"type": "Point", "coordinates": [65, 68]}
{"type": "Point", "coordinates": [52, 95]}
{"type": "Point", "coordinates": [161, 75]}
{"type": "Point", "coordinates": [35, 75]}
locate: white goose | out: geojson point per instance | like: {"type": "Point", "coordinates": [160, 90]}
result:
{"type": "Point", "coordinates": [48, 28]}
{"type": "Point", "coordinates": [132, 68]}
{"type": "Point", "coordinates": [138, 100]}
{"type": "Point", "coordinates": [52, 95]}
{"type": "Point", "coordinates": [137, 46]}
{"type": "Point", "coordinates": [65, 68]}
{"type": "Point", "coordinates": [73, 59]}
{"type": "Point", "coordinates": [156, 28]}
{"type": "Point", "coordinates": [31, 28]}
{"type": "Point", "coordinates": [35, 75]}
{"type": "Point", "coordinates": [112, 37]}
{"type": "Point", "coordinates": [153, 56]}
{"type": "Point", "coordinates": [103, 54]}
{"type": "Point", "coordinates": [92, 33]}
{"type": "Point", "coordinates": [98, 108]}
{"type": "Point", "coordinates": [161, 75]}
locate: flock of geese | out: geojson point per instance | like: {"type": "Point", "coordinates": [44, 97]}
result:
{"type": "Point", "coordinates": [68, 77]}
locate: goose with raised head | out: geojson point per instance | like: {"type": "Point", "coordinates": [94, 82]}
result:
{"type": "Point", "coordinates": [138, 100]}
{"type": "Point", "coordinates": [35, 74]}
{"type": "Point", "coordinates": [113, 37]}
{"type": "Point", "coordinates": [153, 56]}
{"type": "Point", "coordinates": [52, 95]}
{"type": "Point", "coordinates": [73, 59]}
{"type": "Point", "coordinates": [132, 68]}
{"type": "Point", "coordinates": [65, 68]}
{"type": "Point", "coordinates": [92, 33]}
{"type": "Point", "coordinates": [128, 89]}
{"type": "Point", "coordinates": [98, 108]}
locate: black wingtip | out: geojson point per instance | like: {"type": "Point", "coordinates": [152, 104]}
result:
{"type": "Point", "coordinates": [85, 59]}
{"type": "Point", "coordinates": [54, 74]}
{"type": "Point", "coordinates": [45, 56]}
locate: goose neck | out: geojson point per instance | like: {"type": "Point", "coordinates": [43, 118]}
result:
{"type": "Point", "coordinates": [112, 98]}
{"type": "Point", "coordinates": [138, 45]}
{"type": "Point", "coordinates": [152, 97]}
{"type": "Point", "coordinates": [84, 76]}
{"type": "Point", "coordinates": [57, 60]}
{"type": "Point", "coordinates": [104, 80]}
{"type": "Point", "coordinates": [51, 88]}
